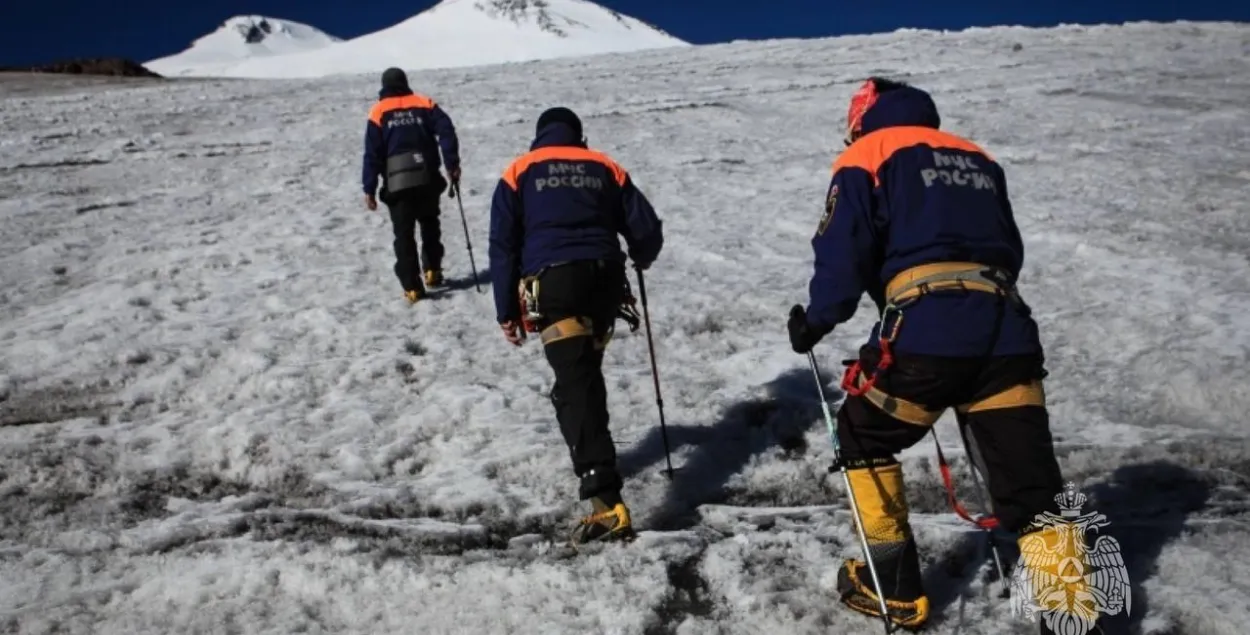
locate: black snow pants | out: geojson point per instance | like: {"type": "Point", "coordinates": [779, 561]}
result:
{"type": "Point", "coordinates": [410, 208]}
{"type": "Point", "coordinates": [998, 400]}
{"type": "Point", "coordinates": [579, 302]}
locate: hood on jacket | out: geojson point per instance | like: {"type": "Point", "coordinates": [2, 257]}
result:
{"type": "Point", "coordinates": [394, 78]}
{"type": "Point", "coordinates": [901, 106]}
{"type": "Point", "coordinates": [559, 114]}
{"type": "Point", "coordinates": [558, 134]}
{"type": "Point", "coordinates": [394, 83]}
{"type": "Point", "coordinates": [389, 91]}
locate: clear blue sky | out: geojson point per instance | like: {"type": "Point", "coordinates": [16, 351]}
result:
{"type": "Point", "coordinates": [33, 32]}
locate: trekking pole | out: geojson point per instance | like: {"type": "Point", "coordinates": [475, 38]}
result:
{"type": "Point", "coordinates": [655, 373]}
{"type": "Point", "coordinates": [975, 463]}
{"type": "Point", "coordinates": [460, 201]}
{"type": "Point", "coordinates": [850, 493]}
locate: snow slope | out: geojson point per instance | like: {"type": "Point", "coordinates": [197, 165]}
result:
{"type": "Point", "coordinates": [218, 414]}
{"type": "Point", "coordinates": [242, 38]}
{"type": "Point", "coordinates": [457, 33]}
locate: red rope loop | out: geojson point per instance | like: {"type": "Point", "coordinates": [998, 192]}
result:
{"type": "Point", "coordinates": [983, 522]}
{"type": "Point", "coordinates": [885, 340]}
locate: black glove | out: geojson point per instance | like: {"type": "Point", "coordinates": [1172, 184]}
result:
{"type": "Point", "coordinates": [802, 336]}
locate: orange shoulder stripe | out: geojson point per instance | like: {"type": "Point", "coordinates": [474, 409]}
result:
{"type": "Point", "coordinates": [398, 103]}
{"type": "Point", "coordinates": [561, 153]}
{"type": "Point", "coordinates": [873, 150]}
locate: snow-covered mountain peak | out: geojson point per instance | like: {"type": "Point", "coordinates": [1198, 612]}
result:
{"type": "Point", "coordinates": [255, 29]}
{"type": "Point", "coordinates": [522, 12]}
{"type": "Point", "coordinates": [245, 37]}
{"type": "Point", "coordinates": [556, 17]}
{"type": "Point", "coordinates": [539, 13]}
{"type": "Point", "coordinates": [451, 33]}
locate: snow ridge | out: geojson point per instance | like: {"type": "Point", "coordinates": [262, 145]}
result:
{"type": "Point", "coordinates": [241, 38]}
{"type": "Point", "coordinates": [257, 28]}
{"type": "Point", "coordinates": [453, 33]}
{"type": "Point", "coordinates": [523, 11]}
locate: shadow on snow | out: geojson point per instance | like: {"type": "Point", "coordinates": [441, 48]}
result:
{"type": "Point", "coordinates": [1147, 506]}
{"type": "Point", "coordinates": [1146, 503]}
{"type": "Point", "coordinates": [748, 428]}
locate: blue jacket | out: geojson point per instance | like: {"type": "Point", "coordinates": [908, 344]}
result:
{"type": "Point", "coordinates": [562, 202]}
{"type": "Point", "coordinates": [401, 121]}
{"type": "Point", "coordinates": [906, 194]}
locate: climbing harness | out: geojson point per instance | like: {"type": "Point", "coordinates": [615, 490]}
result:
{"type": "Point", "coordinates": [908, 287]}
{"type": "Point", "coordinates": [902, 291]}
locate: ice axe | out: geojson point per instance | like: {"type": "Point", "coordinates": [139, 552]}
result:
{"type": "Point", "coordinates": [655, 373]}
{"type": "Point", "coordinates": [850, 493]}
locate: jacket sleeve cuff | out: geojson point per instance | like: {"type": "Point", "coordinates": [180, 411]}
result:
{"type": "Point", "coordinates": [819, 322]}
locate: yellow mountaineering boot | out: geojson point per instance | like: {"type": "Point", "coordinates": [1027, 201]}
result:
{"type": "Point", "coordinates": [412, 296]}
{"type": "Point", "coordinates": [433, 277]}
{"type": "Point", "coordinates": [855, 589]}
{"type": "Point", "coordinates": [882, 503]}
{"type": "Point", "coordinates": [609, 522]}
{"type": "Point", "coordinates": [1053, 582]}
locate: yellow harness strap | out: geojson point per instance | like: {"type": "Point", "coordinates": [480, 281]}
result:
{"type": "Point", "coordinates": [913, 283]}
{"type": "Point", "coordinates": [944, 276]}
{"type": "Point", "coordinates": [901, 409]}
{"type": "Point", "coordinates": [567, 328]}
{"type": "Point", "coordinates": [1018, 396]}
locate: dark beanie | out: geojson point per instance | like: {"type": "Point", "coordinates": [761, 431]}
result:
{"type": "Point", "coordinates": [560, 115]}
{"type": "Point", "coordinates": [394, 78]}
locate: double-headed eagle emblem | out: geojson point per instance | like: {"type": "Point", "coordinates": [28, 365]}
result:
{"type": "Point", "coordinates": [1062, 578]}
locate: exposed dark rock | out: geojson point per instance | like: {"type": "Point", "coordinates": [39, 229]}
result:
{"type": "Point", "coordinates": [114, 66]}
{"type": "Point", "coordinates": [255, 33]}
